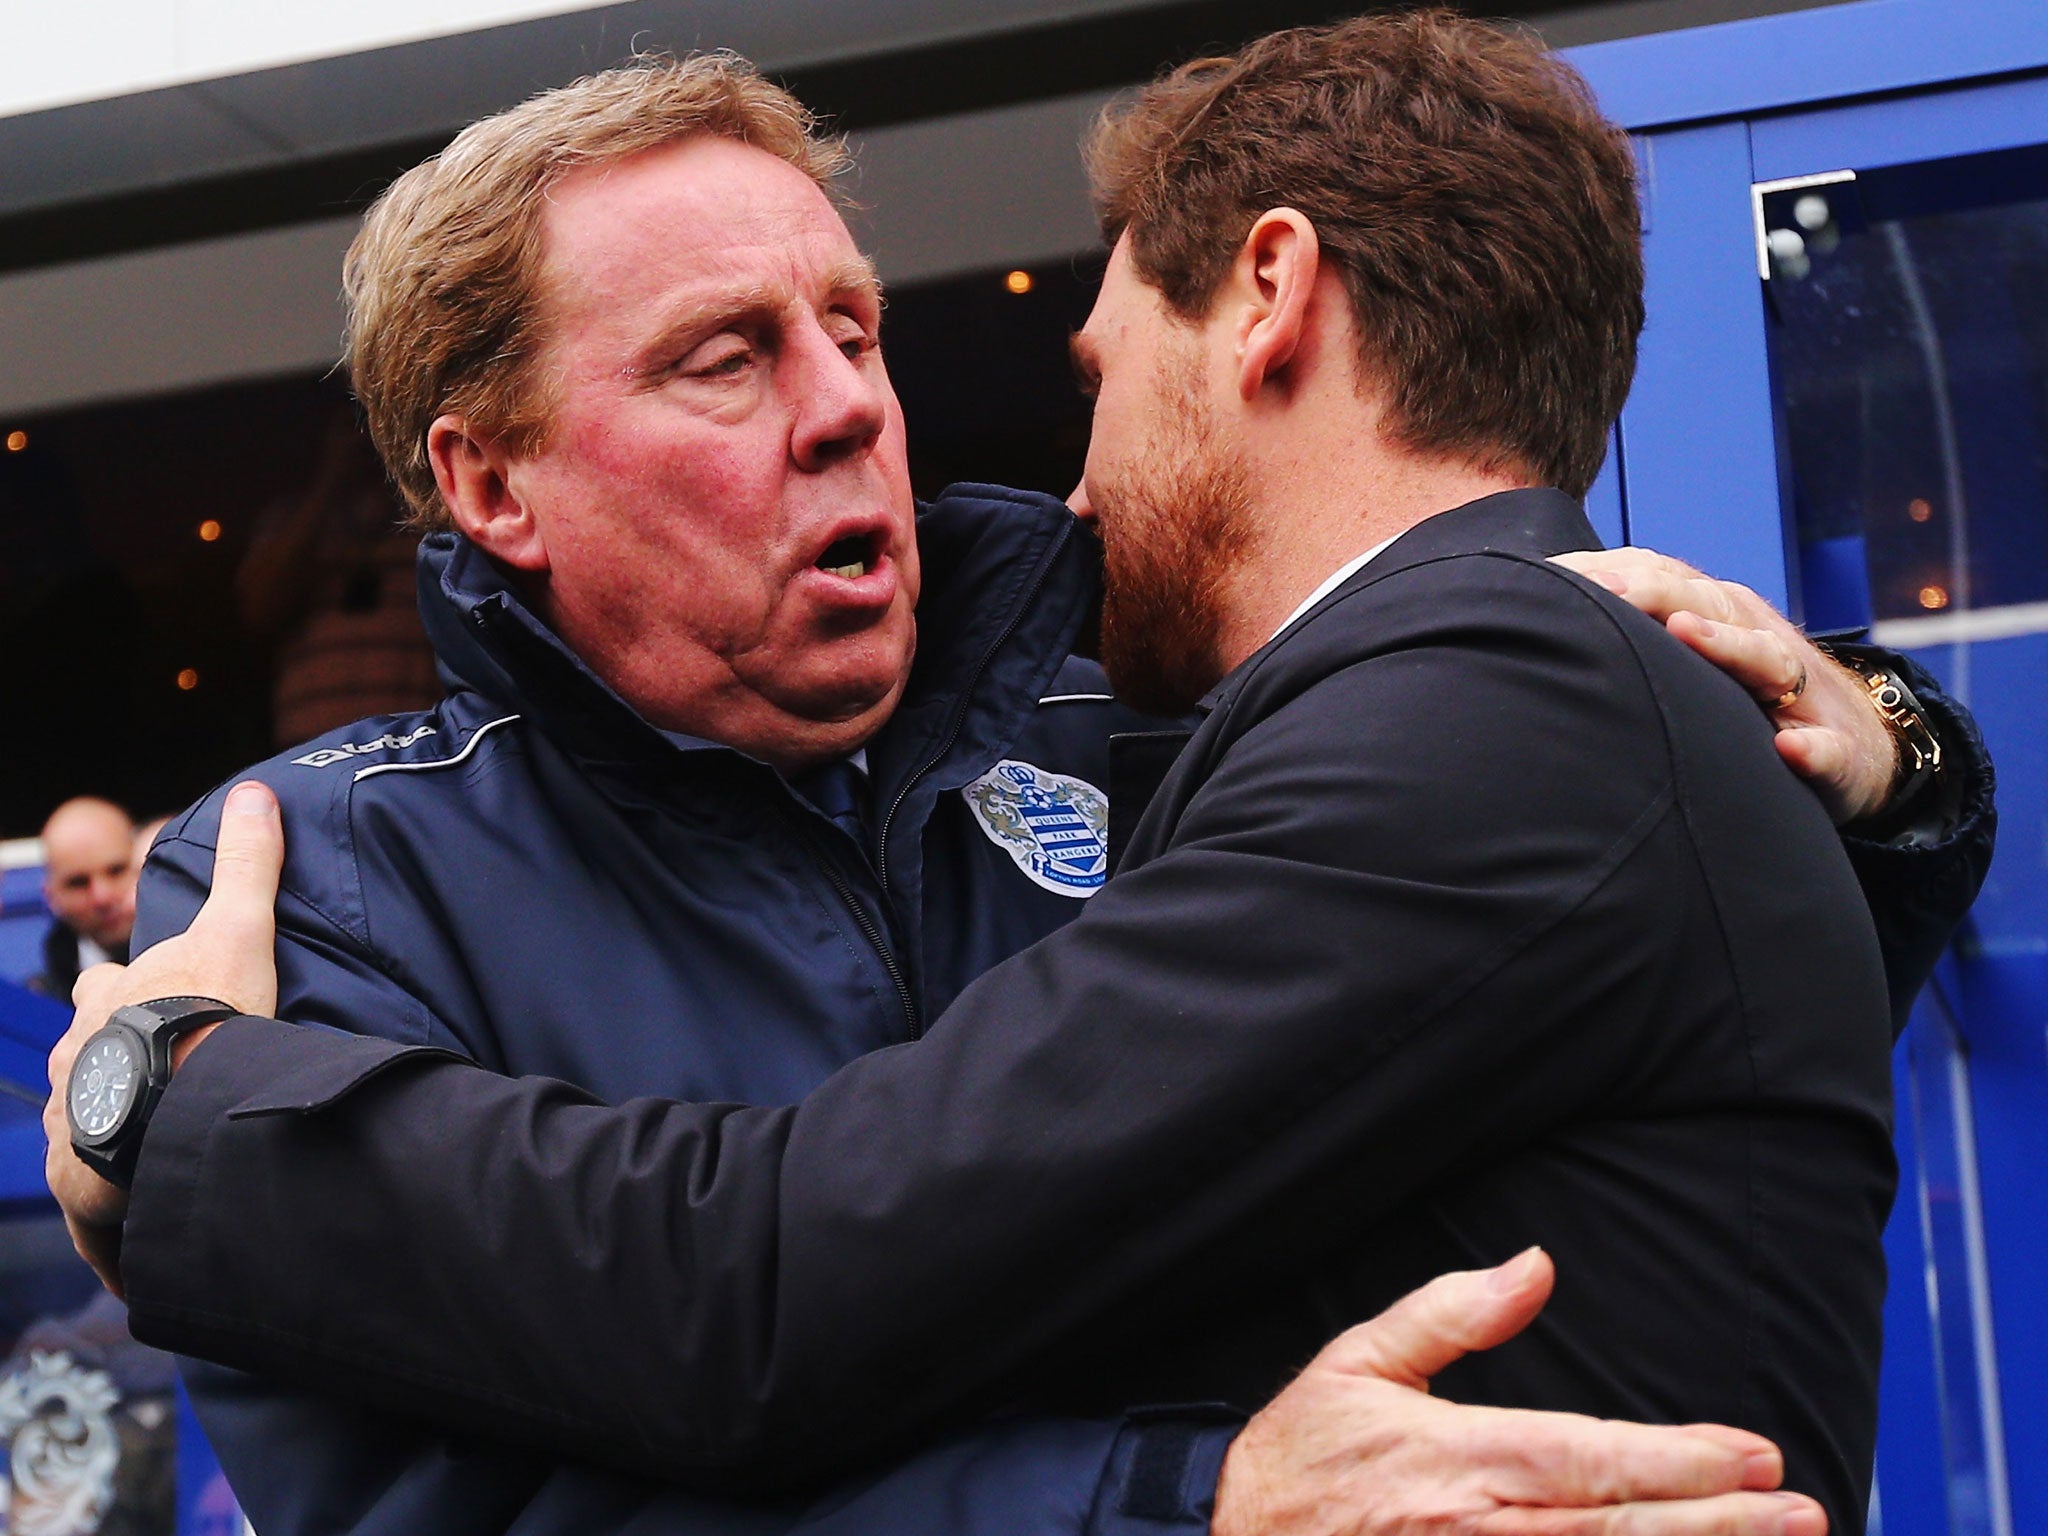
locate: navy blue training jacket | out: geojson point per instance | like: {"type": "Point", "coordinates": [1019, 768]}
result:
{"type": "Point", "coordinates": [473, 876]}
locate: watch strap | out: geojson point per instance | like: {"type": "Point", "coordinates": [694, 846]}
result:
{"type": "Point", "coordinates": [1917, 753]}
{"type": "Point", "coordinates": [159, 1023]}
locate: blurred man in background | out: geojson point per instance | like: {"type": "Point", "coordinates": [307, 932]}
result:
{"type": "Point", "coordinates": [89, 867]}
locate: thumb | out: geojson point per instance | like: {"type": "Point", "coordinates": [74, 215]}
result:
{"type": "Point", "coordinates": [246, 865]}
{"type": "Point", "coordinates": [1451, 1316]}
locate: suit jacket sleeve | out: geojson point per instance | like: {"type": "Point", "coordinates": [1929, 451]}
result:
{"type": "Point", "coordinates": [786, 1287]}
{"type": "Point", "coordinates": [296, 1453]}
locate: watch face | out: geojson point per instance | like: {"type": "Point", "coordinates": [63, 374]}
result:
{"type": "Point", "coordinates": [105, 1082]}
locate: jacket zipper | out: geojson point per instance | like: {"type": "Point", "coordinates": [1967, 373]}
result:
{"type": "Point", "coordinates": [847, 895]}
{"type": "Point", "coordinates": [1017, 612]}
{"type": "Point", "coordinates": [868, 927]}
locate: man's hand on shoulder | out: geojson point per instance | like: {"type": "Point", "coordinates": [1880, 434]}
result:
{"type": "Point", "coordinates": [1356, 1446]}
{"type": "Point", "coordinates": [229, 953]}
{"type": "Point", "coordinates": [1829, 733]}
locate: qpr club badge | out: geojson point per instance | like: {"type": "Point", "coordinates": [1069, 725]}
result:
{"type": "Point", "coordinates": [1056, 827]}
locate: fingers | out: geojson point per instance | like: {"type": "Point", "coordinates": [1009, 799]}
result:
{"type": "Point", "coordinates": [229, 952]}
{"type": "Point", "coordinates": [1626, 564]}
{"type": "Point", "coordinates": [56, 1125]}
{"type": "Point", "coordinates": [246, 863]}
{"type": "Point", "coordinates": [1763, 1463]}
{"type": "Point", "coordinates": [62, 1054]}
{"type": "Point", "coordinates": [1661, 586]}
{"type": "Point", "coordinates": [93, 1208]}
{"type": "Point", "coordinates": [96, 994]}
{"type": "Point", "coordinates": [96, 984]}
{"type": "Point", "coordinates": [1814, 753]}
{"type": "Point", "coordinates": [100, 1247]}
{"type": "Point", "coordinates": [1453, 1315]}
{"type": "Point", "coordinates": [1657, 584]}
{"type": "Point", "coordinates": [1729, 1514]}
{"type": "Point", "coordinates": [1764, 662]}
{"type": "Point", "coordinates": [1571, 1461]}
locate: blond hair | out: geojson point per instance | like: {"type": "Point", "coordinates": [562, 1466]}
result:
{"type": "Point", "coordinates": [443, 284]}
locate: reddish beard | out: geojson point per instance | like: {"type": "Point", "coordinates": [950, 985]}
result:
{"type": "Point", "coordinates": [1175, 523]}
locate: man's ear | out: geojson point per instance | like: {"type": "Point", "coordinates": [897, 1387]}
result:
{"type": "Point", "coordinates": [1273, 281]}
{"type": "Point", "coordinates": [473, 474]}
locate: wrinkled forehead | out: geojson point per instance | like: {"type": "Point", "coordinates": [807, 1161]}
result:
{"type": "Point", "coordinates": [703, 208]}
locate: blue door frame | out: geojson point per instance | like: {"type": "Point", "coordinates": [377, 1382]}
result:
{"type": "Point", "coordinates": [1963, 1443]}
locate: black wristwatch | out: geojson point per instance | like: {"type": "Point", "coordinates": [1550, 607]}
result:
{"type": "Point", "coordinates": [121, 1073]}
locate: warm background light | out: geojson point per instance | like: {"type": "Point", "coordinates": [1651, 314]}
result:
{"type": "Point", "coordinates": [16, 441]}
{"type": "Point", "coordinates": [188, 679]}
{"type": "Point", "coordinates": [1933, 597]}
{"type": "Point", "coordinates": [1018, 281]}
{"type": "Point", "coordinates": [209, 530]}
{"type": "Point", "coordinates": [1920, 509]}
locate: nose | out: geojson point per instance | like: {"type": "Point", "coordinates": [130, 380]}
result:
{"type": "Point", "coordinates": [842, 402]}
{"type": "Point", "coordinates": [1079, 504]}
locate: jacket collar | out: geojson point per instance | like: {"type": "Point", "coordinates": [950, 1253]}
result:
{"type": "Point", "coordinates": [1535, 523]}
{"type": "Point", "coordinates": [489, 641]}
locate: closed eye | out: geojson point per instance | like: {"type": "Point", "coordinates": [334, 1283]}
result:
{"type": "Point", "coordinates": [858, 346]}
{"type": "Point", "coordinates": [720, 358]}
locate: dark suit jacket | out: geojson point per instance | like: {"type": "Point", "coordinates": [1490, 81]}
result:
{"type": "Point", "coordinates": [1477, 913]}
{"type": "Point", "coordinates": [60, 962]}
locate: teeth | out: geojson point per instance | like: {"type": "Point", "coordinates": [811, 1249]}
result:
{"type": "Point", "coordinates": [851, 572]}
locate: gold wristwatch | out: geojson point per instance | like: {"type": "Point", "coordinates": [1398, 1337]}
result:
{"type": "Point", "coordinates": [1918, 749]}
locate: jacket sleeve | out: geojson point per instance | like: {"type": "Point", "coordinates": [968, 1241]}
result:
{"type": "Point", "coordinates": [1922, 868]}
{"type": "Point", "coordinates": [296, 1455]}
{"type": "Point", "coordinates": [307, 1465]}
{"type": "Point", "coordinates": [1192, 1058]}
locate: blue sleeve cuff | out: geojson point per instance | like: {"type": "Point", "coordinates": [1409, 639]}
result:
{"type": "Point", "coordinates": [1163, 1470]}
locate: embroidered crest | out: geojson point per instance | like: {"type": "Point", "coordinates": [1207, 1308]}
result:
{"type": "Point", "coordinates": [56, 1422]}
{"type": "Point", "coordinates": [1054, 826]}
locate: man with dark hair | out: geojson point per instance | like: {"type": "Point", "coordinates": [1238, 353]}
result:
{"type": "Point", "coordinates": [1475, 914]}
{"type": "Point", "coordinates": [1474, 207]}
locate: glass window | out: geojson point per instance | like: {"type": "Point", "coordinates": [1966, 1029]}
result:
{"type": "Point", "coordinates": [1909, 312]}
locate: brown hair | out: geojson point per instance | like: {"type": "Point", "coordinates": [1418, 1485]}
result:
{"type": "Point", "coordinates": [1482, 213]}
{"type": "Point", "coordinates": [443, 283]}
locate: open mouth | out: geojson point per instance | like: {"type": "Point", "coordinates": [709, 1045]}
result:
{"type": "Point", "coordinates": [848, 557]}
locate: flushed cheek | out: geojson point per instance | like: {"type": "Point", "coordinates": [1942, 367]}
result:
{"type": "Point", "coordinates": [702, 510]}
{"type": "Point", "coordinates": [646, 572]}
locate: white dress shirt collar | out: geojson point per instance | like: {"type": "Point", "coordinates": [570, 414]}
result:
{"type": "Point", "coordinates": [1336, 579]}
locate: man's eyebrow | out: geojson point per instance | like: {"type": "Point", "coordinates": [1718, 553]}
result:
{"type": "Point", "coordinates": [854, 276]}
